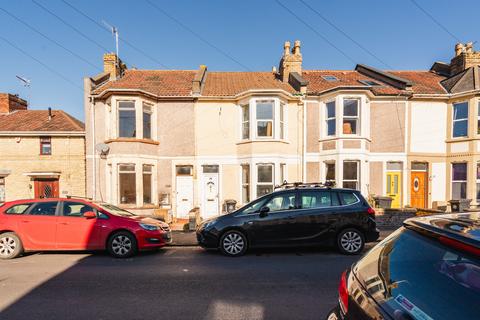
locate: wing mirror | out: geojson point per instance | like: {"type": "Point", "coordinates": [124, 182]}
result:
{"type": "Point", "coordinates": [264, 211]}
{"type": "Point", "coordinates": [89, 215]}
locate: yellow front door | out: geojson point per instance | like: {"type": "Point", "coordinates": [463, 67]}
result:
{"type": "Point", "coordinates": [394, 188]}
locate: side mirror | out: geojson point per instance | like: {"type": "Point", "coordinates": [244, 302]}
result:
{"type": "Point", "coordinates": [264, 211]}
{"type": "Point", "coordinates": [89, 215]}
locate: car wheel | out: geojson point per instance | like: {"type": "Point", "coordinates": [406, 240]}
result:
{"type": "Point", "coordinates": [333, 314]}
{"type": "Point", "coordinates": [10, 245]}
{"type": "Point", "coordinates": [233, 243]}
{"type": "Point", "coordinates": [350, 241]}
{"type": "Point", "coordinates": [122, 244]}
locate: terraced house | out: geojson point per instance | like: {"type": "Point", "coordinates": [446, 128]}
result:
{"type": "Point", "coordinates": [187, 138]}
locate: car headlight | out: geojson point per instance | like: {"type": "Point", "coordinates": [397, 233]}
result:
{"type": "Point", "coordinates": [209, 224]}
{"type": "Point", "coordinates": [149, 227]}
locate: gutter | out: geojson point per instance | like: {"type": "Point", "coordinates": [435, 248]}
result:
{"type": "Point", "coordinates": [43, 133]}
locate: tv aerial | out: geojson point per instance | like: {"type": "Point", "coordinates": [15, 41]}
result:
{"type": "Point", "coordinates": [25, 82]}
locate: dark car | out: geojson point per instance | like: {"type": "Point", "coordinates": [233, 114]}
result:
{"type": "Point", "coordinates": [294, 216]}
{"type": "Point", "coordinates": [428, 269]}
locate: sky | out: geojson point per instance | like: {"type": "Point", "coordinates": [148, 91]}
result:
{"type": "Point", "coordinates": [225, 35]}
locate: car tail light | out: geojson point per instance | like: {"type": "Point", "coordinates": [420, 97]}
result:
{"type": "Point", "coordinates": [370, 211]}
{"type": "Point", "coordinates": [343, 292]}
{"type": "Point", "coordinates": [459, 245]}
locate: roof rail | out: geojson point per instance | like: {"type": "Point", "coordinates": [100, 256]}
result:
{"type": "Point", "coordinates": [297, 185]}
{"type": "Point", "coordinates": [78, 197]}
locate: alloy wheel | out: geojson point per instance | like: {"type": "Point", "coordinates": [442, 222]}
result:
{"type": "Point", "coordinates": [7, 246]}
{"type": "Point", "coordinates": [351, 242]}
{"type": "Point", "coordinates": [121, 245]}
{"type": "Point", "coordinates": [233, 243]}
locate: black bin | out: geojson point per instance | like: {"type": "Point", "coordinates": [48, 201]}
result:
{"type": "Point", "coordinates": [459, 205]}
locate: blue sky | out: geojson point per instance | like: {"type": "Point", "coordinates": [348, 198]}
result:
{"type": "Point", "coordinates": [252, 32]}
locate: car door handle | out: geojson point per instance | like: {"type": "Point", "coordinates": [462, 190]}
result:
{"type": "Point", "coordinates": [64, 223]}
{"type": "Point", "coordinates": [25, 221]}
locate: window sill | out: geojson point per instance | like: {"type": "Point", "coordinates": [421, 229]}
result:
{"type": "Point", "coordinates": [262, 140]}
{"type": "Point", "coordinates": [350, 137]}
{"type": "Point", "coordinates": [147, 141]}
{"type": "Point", "coordinates": [461, 139]}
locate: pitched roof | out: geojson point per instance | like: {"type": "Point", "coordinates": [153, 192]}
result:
{"type": "Point", "coordinates": [170, 83]}
{"type": "Point", "coordinates": [234, 83]}
{"type": "Point", "coordinates": [37, 120]}
{"type": "Point", "coordinates": [423, 82]}
{"type": "Point", "coordinates": [345, 78]}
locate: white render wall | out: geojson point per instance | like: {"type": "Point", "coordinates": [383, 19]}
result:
{"type": "Point", "coordinates": [438, 178]}
{"type": "Point", "coordinates": [428, 127]}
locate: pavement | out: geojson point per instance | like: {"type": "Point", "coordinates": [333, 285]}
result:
{"type": "Point", "coordinates": [177, 282]}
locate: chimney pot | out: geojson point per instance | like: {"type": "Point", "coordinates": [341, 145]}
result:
{"type": "Point", "coordinates": [286, 48]}
{"type": "Point", "coordinates": [296, 47]}
{"type": "Point", "coordinates": [49, 114]}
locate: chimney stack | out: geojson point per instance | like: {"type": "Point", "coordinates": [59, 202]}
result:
{"type": "Point", "coordinates": [10, 102]}
{"type": "Point", "coordinates": [291, 61]}
{"type": "Point", "coordinates": [465, 57]}
{"type": "Point", "coordinates": [49, 114]}
{"type": "Point", "coordinates": [113, 65]}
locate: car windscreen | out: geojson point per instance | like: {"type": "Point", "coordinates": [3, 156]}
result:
{"type": "Point", "coordinates": [412, 274]}
{"type": "Point", "coordinates": [115, 210]}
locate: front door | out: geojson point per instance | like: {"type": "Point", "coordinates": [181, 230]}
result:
{"type": "Point", "coordinates": [46, 188]}
{"type": "Point", "coordinates": [418, 189]}
{"type": "Point", "coordinates": [184, 195]}
{"type": "Point", "coordinates": [210, 191]}
{"type": "Point", "coordinates": [394, 187]}
{"type": "Point", "coordinates": [74, 231]}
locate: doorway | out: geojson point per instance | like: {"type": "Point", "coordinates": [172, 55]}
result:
{"type": "Point", "coordinates": [419, 185]}
{"type": "Point", "coordinates": [210, 191]}
{"type": "Point", "coordinates": [184, 188]}
{"type": "Point", "coordinates": [394, 183]}
{"type": "Point", "coordinates": [46, 188]}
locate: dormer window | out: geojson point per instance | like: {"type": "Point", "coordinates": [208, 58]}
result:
{"type": "Point", "coordinates": [330, 78]}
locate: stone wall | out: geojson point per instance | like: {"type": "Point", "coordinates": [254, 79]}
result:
{"type": "Point", "coordinates": [393, 218]}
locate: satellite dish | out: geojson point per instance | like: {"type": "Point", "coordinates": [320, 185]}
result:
{"type": "Point", "coordinates": [102, 148]}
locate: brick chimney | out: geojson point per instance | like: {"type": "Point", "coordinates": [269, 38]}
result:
{"type": "Point", "coordinates": [291, 61]}
{"type": "Point", "coordinates": [113, 65]}
{"type": "Point", "coordinates": [10, 102]}
{"type": "Point", "coordinates": [465, 57]}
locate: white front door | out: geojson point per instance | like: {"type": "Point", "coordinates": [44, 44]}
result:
{"type": "Point", "coordinates": [210, 195]}
{"type": "Point", "coordinates": [184, 195]}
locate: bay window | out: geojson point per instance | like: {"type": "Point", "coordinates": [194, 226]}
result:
{"type": "Point", "coordinates": [147, 121]}
{"type": "Point", "coordinates": [331, 119]}
{"type": "Point", "coordinates": [245, 183]}
{"type": "Point", "coordinates": [460, 119]}
{"type": "Point", "coordinates": [147, 184]}
{"type": "Point", "coordinates": [478, 182]}
{"type": "Point", "coordinates": [127, 183]}
{"type": "Point", "coordinates": [478, 118]}
{"type": "Point", "coordinates": [126, 119]}
{"type": "Point", "coordinates": [351, 116]}
{"type": "Point", "coordinates": [351, 174]}
{"type": "Point", "coordinates": [264, 113]}
{"type": "Point", "coordinates": [246, 121]}
{"type": "Point", "coordinates": [265, 179]}
{"type": "Point", "coordinates": [330, 171]}
{"type": "Point", "coordinates": [459, 180]}
{"type": "Point", "coordinates": [2, 189]}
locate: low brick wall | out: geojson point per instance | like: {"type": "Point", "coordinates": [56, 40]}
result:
{"type": "Point", "coordinates": [393, 218]}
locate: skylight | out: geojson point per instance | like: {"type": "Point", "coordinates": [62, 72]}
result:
{"type": "Point", "coordinates": [330, 78]}
{"type": "Point", "coordinates": [369, 83]}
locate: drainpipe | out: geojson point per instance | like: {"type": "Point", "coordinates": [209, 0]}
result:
{"type": "Point", "coordinates": [304, 139]}
{"type": "Point", "coordinates": [94, 168]}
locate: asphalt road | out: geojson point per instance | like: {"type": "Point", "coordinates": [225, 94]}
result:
{"type": "Point", "coordinates": [173, 283]}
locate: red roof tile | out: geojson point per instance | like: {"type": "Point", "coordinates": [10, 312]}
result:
{"type": "Point", "coordinates": [172, 83]}
{"type": "Point", "coordinates": [424, 82]}
{"type": "Point", "coordinates": [37, 120]}
{"type": "Point", "coordinates": [233, 83]}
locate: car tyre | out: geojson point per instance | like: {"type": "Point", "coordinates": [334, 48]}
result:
{"type": "Point", "coordinates": [350, 241]}
{"type": "Point", "coordinates": [122, 244]}
{"type": "Point", "coordinates": [233, 243]}
{"type": "Point", "coordinates": [10, 246]}
{"type": "Point", "coordinates": [333, 314]}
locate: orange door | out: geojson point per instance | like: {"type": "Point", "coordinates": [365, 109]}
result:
{"type": "Point", "coordinates": [418, 189]}
{"type": "Point", "coordinates": [46, 188]}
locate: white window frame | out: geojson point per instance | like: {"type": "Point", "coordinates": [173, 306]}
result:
{"type": "Point", "coordinates": [147, 108]}
{"type": "Point", "coordinates": [283, 173]}
{"type": "Point", "coordinates": [282, 120]}
{"type": "Point", "coordinates": [357, 117]}
{"type": "Point", "coordinates": [120, 181]}
{"type": "Point", "coordinates": [150, 172]}
{"type": "Point", "coordinates": [3, 191]}
{"type": "Point", "coordinates": [477, 176]}
{"type": "Point", "coordinates": [478, 117]}
{"type": "Point", "coordinates": [459, 120]}
{"type": "Point", "coordinates": [257, 183]}
{"type": "Point", "coordinates": [326, 164]}
{"type": "Point", "coordinates": [119, 108]}
{"type": "Point", "coordinates": [245, 122]}
{"type": "Point", "coordinates": [334, 118]}
{"type": "Point", "coordinates": [357, 181]}
{"type": "Point", "coordinates": [246, 184]}
{"type": "Point", "coordinates": [272, 121]}
{"type": "Point", "coordinates": [279, 124]}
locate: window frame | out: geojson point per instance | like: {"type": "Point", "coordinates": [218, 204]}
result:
{"type": "Point", "coordinates": [45, 140]}
{"type": "Point", "coordinates": [328, 163]}
{"type": "Point", "coordinates": [245, 110]}
{"type": "Point", "coordinates": [246, 183]}
{"type": "Point", "coordinates": [465, 182]}
{"type": "Point", "coordinates": [3, 189]}
{"type": "Point", "coordinates": [134, 109]}
{"type": "Point", "coordinates": [120, 172]}
{"type": "Point", "coordinates": [272, 120]}
{"type": "Point", "coordinates": [478, 182]}
{"type": "Point", "coordinates": [147, 108]}
{"type": "Point", "coordinates": [459, 120]}
{"type": "Point", "coordinates": [334, 118]}
{"type": "Point", "coordinates": [357, 180]}
{"type": "Point", "coordinates": [62, 210]}
{"type": "Point", "coordinates": [258, 183]}
{"type": "Point", "coordinates": [147, 173]}
{"type": "Point", "coordinates": [352, 118]}
{"type": "Point", "coordinates": [282, 121]}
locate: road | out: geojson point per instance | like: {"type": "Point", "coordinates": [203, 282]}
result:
{"type": "Point", "coordinates": [173, 283]}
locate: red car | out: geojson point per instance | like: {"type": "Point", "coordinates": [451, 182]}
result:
{"type": "Point", "coordinates": [76, 224]}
